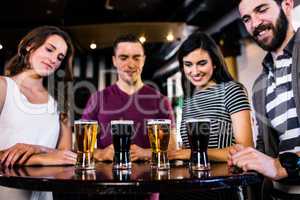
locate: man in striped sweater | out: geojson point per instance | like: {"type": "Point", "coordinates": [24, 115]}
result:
{"type": "Point", "coordinates": [276, 97]}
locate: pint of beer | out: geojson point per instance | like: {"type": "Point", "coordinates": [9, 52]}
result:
{"type": "Point", "coordinates": [198, 134]}
{"type": "Point", "coordinates": [86, 136]}
{"type": "Point", "coordinates": [121, 131]}
{"type": "Point", "coordinates": [159, 131]}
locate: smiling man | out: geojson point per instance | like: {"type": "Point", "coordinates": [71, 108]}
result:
{"type": "Point", "coordinates": [276, 97]}
{"type": "Point", "coordinates": [128, 99]}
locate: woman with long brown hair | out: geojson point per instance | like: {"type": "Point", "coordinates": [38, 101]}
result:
{"type": "Point", "coordinates": [34, 122]}
{"type": "Point", "coordinates": [34, 101]}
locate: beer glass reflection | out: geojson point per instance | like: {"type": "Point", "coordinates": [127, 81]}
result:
{"type": "Point", "coordinates": [121, 131]}
{"type": "Point", "coordinates": [122, 175]}
{"type": "Point", "coordinates": [157, 174]}
{"type": "Point", "coordinates": [202, 174]}
{"type": "Point", "coordinates": [86, 136]}
{"type": "Point", "coordinates": [159, 135]}
{"type": "Point", "coordinates": [85, 175]}
{"type": "Point", "coordinates": [198, 134]}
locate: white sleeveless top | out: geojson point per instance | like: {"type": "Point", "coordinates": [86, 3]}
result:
{"type": "Point", "coordinates": [24, 122]}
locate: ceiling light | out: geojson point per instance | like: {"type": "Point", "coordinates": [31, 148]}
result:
{"type": "Point", "coordinates": [93, 45]}
{"type": "Point", "coordinates": [142, 39]}
{"type": "Point", "coordinates": [221, 42]}
{"type": "Point", "coordinates": [1, 46]}
{"type": "Point", "coordinates": [108, 5]}
{"type": "Point", "coordinates": [170, 37]}
{"type": "Point", "coordinates": [49, 12]}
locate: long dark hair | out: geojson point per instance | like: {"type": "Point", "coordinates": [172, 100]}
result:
{"type": "Point", "coordinates": [203, 41]}
{"type": "Point", "coordinates": [58, 83]}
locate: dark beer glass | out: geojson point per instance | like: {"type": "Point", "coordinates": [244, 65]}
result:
{"type": "Point", "coordinates": [121, 131]}
{"type": "Point", "coordinates": [159, 131]}
{"type": "Point", "coordinates": [86, 137]}
{"type": "Point", "coordinates": [198, 133]}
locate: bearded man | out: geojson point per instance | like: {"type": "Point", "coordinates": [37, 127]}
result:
{"type": "Point", "coordinates": [276, 96]}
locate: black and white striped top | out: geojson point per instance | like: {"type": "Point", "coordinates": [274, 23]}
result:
{"type": "Point", "coordinates": [216, 103]}
{"type": "Point", "coordinates": [280, 104]}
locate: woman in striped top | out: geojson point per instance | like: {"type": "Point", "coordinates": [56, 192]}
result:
{"type": "Point", "coordinates": [210, 92]}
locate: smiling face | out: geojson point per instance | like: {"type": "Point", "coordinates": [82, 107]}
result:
{"type": "Point", "coordinates": [129, 60]}
{"type": "Point", "coordinates": [199, 68]}
{"type": "Point", "coordinates": [266, 22]}
{"type": "Point", "coordinates": [48, 57]}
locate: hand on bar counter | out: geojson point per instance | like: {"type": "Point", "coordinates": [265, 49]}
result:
{"type": "Point", "coordinates": [26, 154]}
{"type": "Point", "coordinates": [56, 157]}
{"type": "Point", "coordinates": [106, 154]}
{"type": "Point", "coordinates": [20, 153]}
{"type": "Point", "coordinates": [248, 158]}
{"type": "Point", "coordinates": [138, 153]}
{"type": "Point", "coordinates": [179, 154]}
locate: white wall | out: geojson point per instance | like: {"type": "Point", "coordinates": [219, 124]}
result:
{"type": "Point", "coordinates": [248, 68]}
{"type": "Point", "coordinates": [249, 63]}
{"type": "Point", "coordinates": [296, 17]}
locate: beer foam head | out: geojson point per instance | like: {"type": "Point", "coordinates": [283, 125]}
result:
{"type": "Point", "coordinates": [83, 121]}
{"type": "Point", "coordinates": [112, 122]}
{"type": "Point", "coordinates": [158, 121]}
{"type": "Point", "coordinates": [197, 120]}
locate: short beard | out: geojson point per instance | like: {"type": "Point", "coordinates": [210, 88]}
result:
{"type": "Point", "coordinates": [280, 32]}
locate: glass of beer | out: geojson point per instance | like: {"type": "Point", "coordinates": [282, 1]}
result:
{"type": "Point", "coordinates": [198, 133]}
{"type": "Point", "coordinates": [121, 131]}
{"type": "Point", "coordinates": [159, 131]}
{"type": "Point", "coordinates": [86, 136]}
